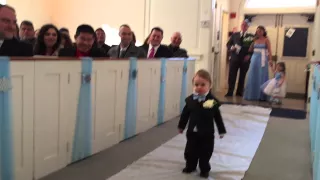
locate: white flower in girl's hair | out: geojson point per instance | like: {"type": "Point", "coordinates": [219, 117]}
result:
{"type": "Point", "coordinates": [209, 103]}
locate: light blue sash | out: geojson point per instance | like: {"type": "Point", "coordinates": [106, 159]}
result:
{"type": "Point", "coordinates": [6, 150]}
{"type": "Point", "coordinates": [131, 105]}
{"type": "Point", "coordinates": [184, 84]}
{"type": "Point", "coordinates": [162, 93]}
{"type": "Point", "coordinates": [82, 144]}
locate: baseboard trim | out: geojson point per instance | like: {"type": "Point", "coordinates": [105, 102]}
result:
{"type": "Point", "coordinates": [295, 96]}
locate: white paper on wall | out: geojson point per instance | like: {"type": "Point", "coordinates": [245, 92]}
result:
{"type": "Point", "coordinates": [290, 32]}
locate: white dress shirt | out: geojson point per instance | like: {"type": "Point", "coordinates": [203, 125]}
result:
{"type": "Point", "coordinates": [195, 129]}
{"type": "Point", "coordinates": [1, 42]}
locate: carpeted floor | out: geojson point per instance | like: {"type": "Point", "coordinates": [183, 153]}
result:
{"type": "Point", "coordinates": [283, 154]}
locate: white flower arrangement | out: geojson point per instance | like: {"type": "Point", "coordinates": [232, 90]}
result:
{"type": "Point", "coordinates": [209, 103]}
{"type": "Point", "coordinates": [250, 38]}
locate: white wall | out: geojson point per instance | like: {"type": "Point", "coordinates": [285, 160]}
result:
{"type": "Point", "coordinates": [183, 16]}
{"type": "Point", "coordinates": [39, 12]}
{"type": "Point", "coordinates": [238, 6]}
{"type": "Point", "coordinates": [45, 97]}
{"type": "Point", "coordinates": [316, 35]}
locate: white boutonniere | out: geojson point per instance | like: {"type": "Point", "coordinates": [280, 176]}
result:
{"type": "Point", "coordinates": [250, 38]}
{"type": "Point", "coordinates": [209, 103]}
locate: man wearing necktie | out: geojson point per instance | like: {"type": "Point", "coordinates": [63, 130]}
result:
{"type": "Point", "coordinates": [126, 48]}
{"type": "Point", "coordinates": [155, 49]}
{"type": "Point", "coordinates": [238, 45]}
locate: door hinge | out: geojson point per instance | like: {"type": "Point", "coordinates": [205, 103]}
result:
{"type": "Point", "coordinates": [68, 78]}
{"type": "Point", "coordinates": [68, 146]}
{"type": "Point", "coordinates": [121, 74]}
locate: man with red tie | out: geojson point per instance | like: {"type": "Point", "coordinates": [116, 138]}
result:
{"type": "Point", "coordinates": [155, 49]}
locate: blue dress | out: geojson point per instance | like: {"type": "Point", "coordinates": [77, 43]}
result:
{"type": "Point", "coordinates": [258, 74]}
{"type": "Point", "coordinates": [278, 77]}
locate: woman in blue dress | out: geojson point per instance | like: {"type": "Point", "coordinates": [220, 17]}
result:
{"type": "Point", "coordinates": [258, 73]}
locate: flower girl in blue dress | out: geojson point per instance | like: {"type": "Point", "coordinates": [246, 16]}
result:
{"type": "Point", "coordinates": [276, 87]}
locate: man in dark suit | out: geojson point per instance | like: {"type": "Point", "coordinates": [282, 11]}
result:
{"type": "Point", "coordinates": [176, 40]}
{"type": "Point", "coordinates": [84, 37]}
{"type": "Point", "coordinates": [100, 40]}
{"type": "Point", "coordinates": [27, 33]}
{"type": "Point", "coordinates": [155, 49]}
{"type": "Point", "coordinates": [10, 46]}
{"type": "Point", "coordinates": [126, 48]}
{"type": "Point", "coordinates": [238, 45]}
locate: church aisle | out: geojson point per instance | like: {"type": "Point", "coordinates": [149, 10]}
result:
{"type": "Point", "coordinates": [231, 158]}
{"type": "Point", "coordinates": [283, 154]}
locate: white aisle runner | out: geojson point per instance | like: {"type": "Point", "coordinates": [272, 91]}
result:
{"type": "Point", "coordinates": [232, 154]}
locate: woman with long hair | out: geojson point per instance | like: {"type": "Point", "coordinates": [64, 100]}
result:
{"type": "Point", "coordinates": [260, 61]}
{"type": "Point", "coordinates": [48, 41]}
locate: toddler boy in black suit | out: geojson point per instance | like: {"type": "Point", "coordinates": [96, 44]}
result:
{"type": "Point", "coordinates": [201, 110]}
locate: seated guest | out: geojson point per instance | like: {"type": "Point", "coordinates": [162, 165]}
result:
{"type": "Point", "coordinates": [48, 42]}
{"type": "Point", "coordinates": [11, 46]}
{"type": "Point", "coordinates": [134, 40]}
{"type": "Point", "coordinates": [154, 49]}
{"type": "Point", "coordinates": [64, 31]}
{"type": "Point", "coordinates": [100, 40]}
{"type": "Point", "coordinates": [176, 40]}
{"type": "Point", "coordinates": [146, 41]}
{"type": "Point", "coordinates": [16, 34]}
{"type": "Point", "coordinates": [36, 33]}
{"type": "Point", "coordinates": [26, 32]}
{"type": "Point", "coordinates": [84, 37]}
{"type": "Point", "coordinates": [126, 48]}
{"type": "Point", "coordinates": [65, 41]}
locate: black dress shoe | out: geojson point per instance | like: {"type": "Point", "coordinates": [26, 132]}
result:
{"type": "Point", "coordinates": [228, 95]}
{"type": "Point", "coordinates": [188, 170]}
{"type": "Point", "coordinates": [204, 174]}
{"type": "Point", "coordinates": [239, 94]}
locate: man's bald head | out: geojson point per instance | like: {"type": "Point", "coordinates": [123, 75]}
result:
{"type": "Point", "coordinates": [176, 39]}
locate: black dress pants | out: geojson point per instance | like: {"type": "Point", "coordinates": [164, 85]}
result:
{"type": "Point", "coordinates": [235, 65]}
{"type": "Point", "coordinates": [199, 148]}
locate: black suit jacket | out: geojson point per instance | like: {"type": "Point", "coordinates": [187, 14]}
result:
{"type": "Point", "coordinates": [14, 47]}
{"type": "Point", "coordinates": [178, 52]}
{"type": "Point", "coordinates": [71, 52]}
{"type": "Point", "coordinates": [104, 48]}
{"type": "Point", "coordinates": [245, 44]}
{"type": "Point", "coordinates": [132, 51]}
{"type": "Point", "coordinates": [163, 51]}
{"type": "Point", "coordinates": [200, 117]}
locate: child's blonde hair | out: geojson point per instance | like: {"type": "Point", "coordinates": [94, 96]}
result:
{"type": "Point", "coordinates": [204, 74]}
